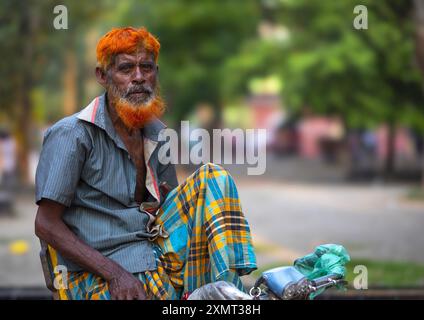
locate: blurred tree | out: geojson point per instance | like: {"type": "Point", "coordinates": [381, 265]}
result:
{"type": "Point", "coordinates": [419, 49]}
{"type": "Point", "coordinates": [260, 56]}
{"type": "Point", "coordinates": [19, 32]}
{"type": "Point", "coordinates": [197, 38]}
{"type": "Point", "coordinates": [210, 50]}
{"type": "Point", "coordinates": [367, 76]}
{"type": "Point", "coordinates": [30, 45]}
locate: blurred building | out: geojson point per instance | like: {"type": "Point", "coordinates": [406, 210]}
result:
{"type": "Point", "coordinates": [7, 159]}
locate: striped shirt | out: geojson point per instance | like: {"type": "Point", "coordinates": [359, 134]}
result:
{"type": "Point", "coordinates": [85, 166]}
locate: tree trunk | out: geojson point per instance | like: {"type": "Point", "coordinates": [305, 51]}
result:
{"type": "Point", "coordinates": [23, 130]}
{"type": "Point", "coordinates": [21, 133]}
{"type": "Point", "coordinates": [70, 83]}
{"type": "Point", "coordinates": [422, 167]}
{"type": "Point", "coordinates": [419, 51]}
{"type": "Point", "coordinates": [390, 156]}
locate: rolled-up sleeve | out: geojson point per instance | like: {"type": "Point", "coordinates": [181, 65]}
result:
{"type": "Point", "coordinates": [61, 162]}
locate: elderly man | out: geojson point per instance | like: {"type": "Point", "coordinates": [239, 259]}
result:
{"type": "Point", "coordinates": [101, 190]}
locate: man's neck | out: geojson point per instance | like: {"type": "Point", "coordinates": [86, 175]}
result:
{"type": "Point", "coordinates": [118, 124]}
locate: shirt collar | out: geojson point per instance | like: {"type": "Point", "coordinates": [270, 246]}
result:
{"type": "Point", "coordinates": [97, 114]}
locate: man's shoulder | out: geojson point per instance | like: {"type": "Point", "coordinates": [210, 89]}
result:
{"type": "Point", "coordinates": [70, 125]}
{"type": "Point", "coordinates": [68, 122]}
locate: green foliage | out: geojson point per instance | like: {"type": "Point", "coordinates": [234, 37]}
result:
{"type": "Point", "coordinates": [197, 38]}
{"type": "Point", "coordinates": [33, 52]}
{"type": "Point", "coordinates": [211, 50]}
{"type": "Point", "coordinates": [366, 76]}
{"type": "Point", "coordinates": [388, 273]}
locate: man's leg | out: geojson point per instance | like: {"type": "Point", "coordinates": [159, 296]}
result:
{"type": "Point", "coordinates": [209, 237]}
{"type": "Point", "coordinates": [86, 286]}
{"type": "Point", "coordinates": [209, 241]}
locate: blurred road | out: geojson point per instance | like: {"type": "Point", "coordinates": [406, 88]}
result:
{"type": "Point", "coordinates": [370, 221]}
{"type": "Point", "coordinates": [20, 269]}
{"type": "Point", "coordinates": [287, 220]}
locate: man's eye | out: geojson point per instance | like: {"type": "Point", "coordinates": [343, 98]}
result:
{"type": "Point", "coordinates": [125, 68]}
{"type": "Point", "coordinates": [147, 67]}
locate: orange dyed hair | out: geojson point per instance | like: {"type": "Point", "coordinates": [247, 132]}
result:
{"type": "Point", "coordinates": [125, 40]}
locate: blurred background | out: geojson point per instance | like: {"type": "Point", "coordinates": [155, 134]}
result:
{"type": "Point", "coordinates": [343, 108]}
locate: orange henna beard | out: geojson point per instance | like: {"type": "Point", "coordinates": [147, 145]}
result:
{"type": "Point", "coordinates": [136, 116]}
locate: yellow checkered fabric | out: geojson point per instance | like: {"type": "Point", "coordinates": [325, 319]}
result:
{"type": "Point", "coordinates": [209, 240]}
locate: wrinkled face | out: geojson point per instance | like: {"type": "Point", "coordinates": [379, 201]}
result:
{"type": "Point", "coordinates": [131, 84]}
{"type": "Point", "coordinates": [133, 77]}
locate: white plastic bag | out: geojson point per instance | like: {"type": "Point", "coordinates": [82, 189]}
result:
{"type": "Point", "coordinates": [220, 290]}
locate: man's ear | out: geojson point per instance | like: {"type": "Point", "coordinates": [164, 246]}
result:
{"type": "Point", "coordinates": [101, 76]}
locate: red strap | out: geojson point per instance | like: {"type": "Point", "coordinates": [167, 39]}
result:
{"type": "Point", "coordinates": [185, 296]}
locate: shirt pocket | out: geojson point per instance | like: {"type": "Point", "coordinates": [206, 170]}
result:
{"type": "Point", "coordinates": [109, 171]}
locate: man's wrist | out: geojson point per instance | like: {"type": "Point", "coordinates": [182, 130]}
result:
{"type": "Point", "coordinates": [111, 271]}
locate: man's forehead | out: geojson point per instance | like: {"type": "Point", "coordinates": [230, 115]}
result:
{"type": "Point", "coordinates": [139, 55]}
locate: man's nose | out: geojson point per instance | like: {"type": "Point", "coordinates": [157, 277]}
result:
{"type": "Point", "coordinates": [138, 75]}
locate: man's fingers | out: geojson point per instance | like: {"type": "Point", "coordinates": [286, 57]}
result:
{"type": "Point", "coordinates": [121, 295]}
{"type": "Point", "coordinates": [113, 295]}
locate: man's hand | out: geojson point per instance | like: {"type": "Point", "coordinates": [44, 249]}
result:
{"type": "Point", "coordinates": [50, 227]}
{"type": "Point", "coordinates": [125, 286]}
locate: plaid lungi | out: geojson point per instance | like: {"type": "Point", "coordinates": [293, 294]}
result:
{"type": "Point", "coordinates": [209, 240]}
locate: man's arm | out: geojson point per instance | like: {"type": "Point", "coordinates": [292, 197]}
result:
{"type": "Point", "coordinates": [50, 227]}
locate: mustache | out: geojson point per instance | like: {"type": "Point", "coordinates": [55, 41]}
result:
{"type": "Point", "coordinates": [139, 89]}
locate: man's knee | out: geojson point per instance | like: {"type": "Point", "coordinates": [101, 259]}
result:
{"type": "Point", "coordinates": [212, 166]}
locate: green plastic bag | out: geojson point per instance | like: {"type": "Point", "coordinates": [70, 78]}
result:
{"type": "Point", "coordinates": [326, 259]}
